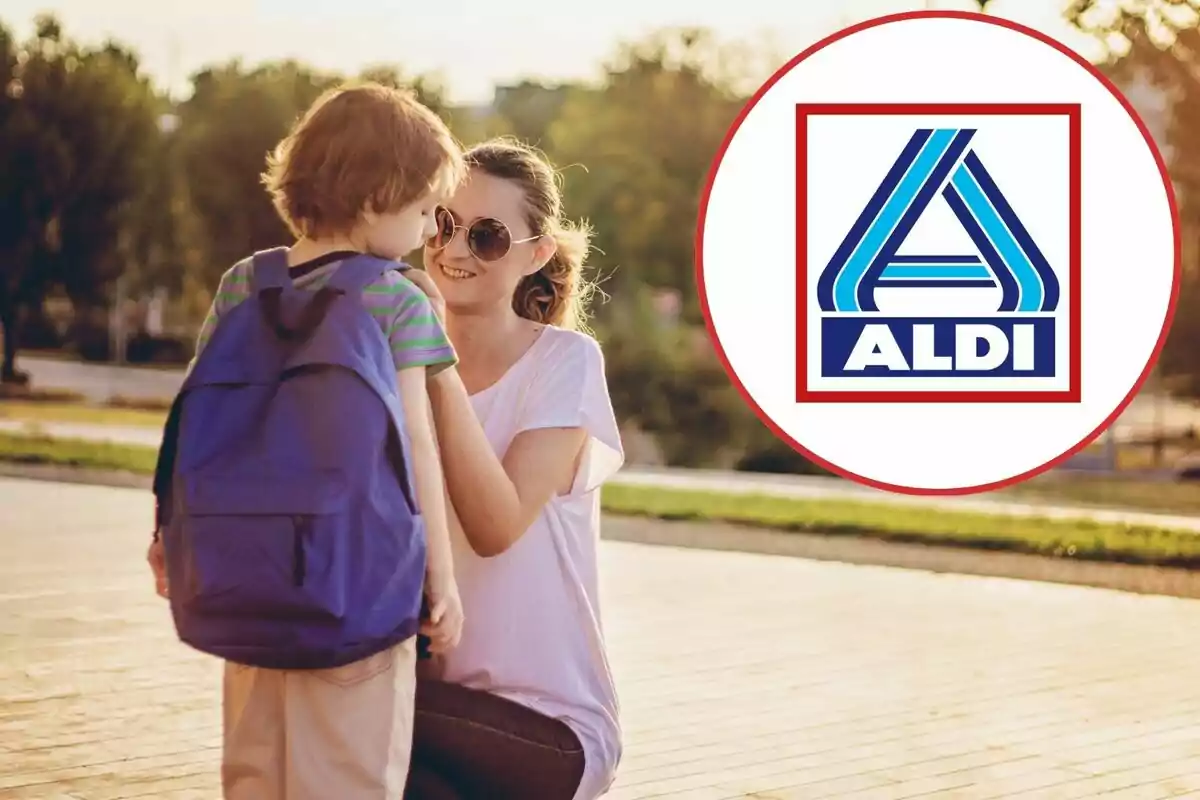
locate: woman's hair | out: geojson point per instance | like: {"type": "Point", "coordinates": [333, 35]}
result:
{"type": "Point", "coordinates": [557, 294]}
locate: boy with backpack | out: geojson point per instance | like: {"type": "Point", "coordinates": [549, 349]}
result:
{"type": "Point", "coordinates": [300, 509]}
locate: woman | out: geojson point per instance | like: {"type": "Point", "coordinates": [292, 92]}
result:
{"type": "Point", "coordinates": [525, 706]}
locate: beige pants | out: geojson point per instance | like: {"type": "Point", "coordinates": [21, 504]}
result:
{"type": "Point", "coordinates": [336, 734]}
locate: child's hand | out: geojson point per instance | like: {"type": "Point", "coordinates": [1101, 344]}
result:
{"type": "Point", "coordinates": [444, 626]}
{"type": "Point", "coordinates": [158, 565]}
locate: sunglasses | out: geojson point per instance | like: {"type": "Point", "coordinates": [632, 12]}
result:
{"type": "Point", "coordinates": [488, 239]}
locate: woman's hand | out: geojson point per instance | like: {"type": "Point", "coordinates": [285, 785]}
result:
{"type": "Point", "coordinates": [421, 278]}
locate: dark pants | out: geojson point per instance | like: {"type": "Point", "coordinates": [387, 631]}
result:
{"type": "Point", "coordinates": [469, 744]}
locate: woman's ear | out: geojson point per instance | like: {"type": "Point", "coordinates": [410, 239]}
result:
{"type": "Point", "coordinates": [543, 251]}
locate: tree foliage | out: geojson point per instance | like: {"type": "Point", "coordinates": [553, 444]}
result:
{"type": "Point", "coordinates": [646, 139]}
{"type": "Point", "coordinates": [102, 176]}
{"type": "Point", "coordinates": [1156, 43]}
{"type": "Point", "coordinates": [78, 129]}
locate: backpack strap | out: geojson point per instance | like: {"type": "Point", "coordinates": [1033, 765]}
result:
{"type": "Point", "coordinates": [269, 270]}
{"type": "Point", "coordinates": [355, 274]}
{"type": "Point", "coordinates": [269, 279]}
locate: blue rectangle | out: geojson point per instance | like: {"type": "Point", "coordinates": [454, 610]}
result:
{"type": "Point", "coordinates": [936, 271]}
{"type": "Point", "coordinates": [839, 335]}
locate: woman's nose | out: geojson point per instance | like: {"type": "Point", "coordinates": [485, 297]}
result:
{"type": "Point", "coordinates": [457, 248]}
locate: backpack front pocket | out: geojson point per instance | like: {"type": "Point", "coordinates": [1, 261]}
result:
{"type": "Point", "coordinates": [266, 549]}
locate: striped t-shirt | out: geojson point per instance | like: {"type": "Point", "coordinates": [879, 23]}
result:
{"type": "Point", "coordinates": [414, 332]}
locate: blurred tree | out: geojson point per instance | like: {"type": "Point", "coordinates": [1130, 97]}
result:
{"type": "Point", "coordinates": [23, 213]}
{"type": "Point", "coordinates": [648, 137]}
{"type": "Point", "coordinates": [113, 220]}
{"type": "Point", "coordinates": [665, 379]}
{"type": "Point", "coordinates": [1155, 45]}
{"type": "Point", "coordinates": [766, 452]}
{"type": "Point", "coordinates": [227, 127]}
{"type": "Point", "coordinates": [77, 133]}
{"type": "Point", "coordinates": [670, 384]}
{"type": "Point", "coordinates": [233, 118]}
{"type": "Point", "coordinates": [528, 109]}
{"type": "Point", "coordinates": [429, 89]}
{"type": "Point", "coordinates": [166, 247]}
{"type": "Point", "coordinates": [102, 177]}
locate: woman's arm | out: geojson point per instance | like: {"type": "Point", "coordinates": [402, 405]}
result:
{"type": "Point", "coordinates": [496, 501]}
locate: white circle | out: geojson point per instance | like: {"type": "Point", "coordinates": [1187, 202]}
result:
{"type": "Point", "coordinates": [749, 250]}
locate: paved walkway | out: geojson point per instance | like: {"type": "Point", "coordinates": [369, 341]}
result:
{"type": "Point", "coordinates": [740, 675]}
{"type": "Point", "coordinates": [101, 382]}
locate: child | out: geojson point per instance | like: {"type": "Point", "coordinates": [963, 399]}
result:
{"type": "Point", "coordinates": [362, 172]}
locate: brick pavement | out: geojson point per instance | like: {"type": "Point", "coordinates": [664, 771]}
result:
{"type": "Point", "coordinates": [741, 675]}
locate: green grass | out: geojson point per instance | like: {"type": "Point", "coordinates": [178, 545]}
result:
{"type": "Point", "coordinates": [1163, 497]}
{"type": "Point", "coordinates": [154, 405]}
{"type": "Point", "coordinates": [1080, 539]}
{"type": "Point", "coordinates": [1083, 539]}
{"type": "Point", "coordinates": [36, 449]}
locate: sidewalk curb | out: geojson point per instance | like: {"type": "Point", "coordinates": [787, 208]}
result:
{"type": "Point", "coordinates": [1132, 578]}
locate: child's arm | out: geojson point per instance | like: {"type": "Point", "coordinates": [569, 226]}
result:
{"type": "Point", "coordinates": [445, 609]}
{"type": "Point", "coordinates": [420, 349]}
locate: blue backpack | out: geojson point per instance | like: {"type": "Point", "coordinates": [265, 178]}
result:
{"type": "Point", "coordinates": [284, 499]}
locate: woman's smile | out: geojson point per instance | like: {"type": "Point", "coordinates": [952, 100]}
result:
{"type": "Point", "coordinates": [454, 273]}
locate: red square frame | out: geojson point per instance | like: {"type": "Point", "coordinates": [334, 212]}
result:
{"type": "Point", "coordinates": [1073, 112]}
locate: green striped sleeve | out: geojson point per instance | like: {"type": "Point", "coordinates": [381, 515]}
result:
{"type": "Point", "coordinates": [415, 333]}
{"type": "Point", "coordinates": [231, 291]}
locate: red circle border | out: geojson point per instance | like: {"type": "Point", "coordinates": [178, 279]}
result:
{"type": "Point", "coordinates": [808, 53]}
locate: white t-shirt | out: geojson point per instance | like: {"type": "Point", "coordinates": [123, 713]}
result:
{"type": "Point", "coordinates": [533, 632]}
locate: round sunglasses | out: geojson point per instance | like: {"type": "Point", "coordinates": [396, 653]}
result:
{"type": "Point", "coordinates": [488, 239]}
